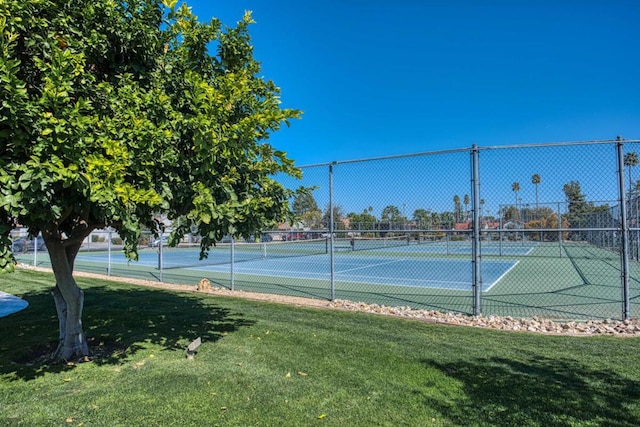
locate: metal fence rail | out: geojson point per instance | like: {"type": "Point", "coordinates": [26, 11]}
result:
{"type": "Point", "coordinates": [549, 230]}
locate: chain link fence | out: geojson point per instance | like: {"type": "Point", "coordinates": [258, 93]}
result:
{"type": "Point", "coordinates": [549, 230]}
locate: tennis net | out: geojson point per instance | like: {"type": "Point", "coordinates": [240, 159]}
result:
{"type": "Point", "coordinates": [370, 243]}
{"type": "Point", "coordinates": [183, 257]}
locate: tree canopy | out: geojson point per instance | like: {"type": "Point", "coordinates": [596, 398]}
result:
{"type": "Point", "coordinates": [578, 207]}
{"type": "Point", "coordinates": [306, 208]}
{"type": "Point", "coordinates": [113, 111]}
{"type": "Point", "coordinates": [362, 221]}
{"type": "Point", "coordinates": [422, 218]}
{"type": "Point", "coordinates": [391, 213]}
{"type": "Point", "coordinates": [338, 215]}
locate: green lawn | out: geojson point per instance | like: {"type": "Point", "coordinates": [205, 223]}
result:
{"type": "Point", "coordinates": [264, 364]}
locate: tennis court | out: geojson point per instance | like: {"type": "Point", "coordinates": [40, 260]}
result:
{"type": "Point", "coordinates": [394, 265]}
{"type": "Point", "coordinates": [569, 280]}
{"type": "Point", "coordinates": [434, 273]}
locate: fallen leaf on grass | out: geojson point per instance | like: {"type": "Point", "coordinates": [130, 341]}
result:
{"type": "Point", "coordinates": [321, 416]}
{"type": "Point", "coordinates": [303, 374]}
{"type": "Point", "coordinates": [69, 420]}
{"type": "Point", "coordinates": [66, 380]}
{"type": "Point", "coordinates": [288, 375]}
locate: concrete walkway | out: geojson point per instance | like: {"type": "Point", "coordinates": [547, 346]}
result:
{"type": "Point", "coordinates": [10, 304]}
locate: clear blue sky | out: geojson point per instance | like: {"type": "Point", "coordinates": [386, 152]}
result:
{"type": "Point", "coordinates": [380, 78]}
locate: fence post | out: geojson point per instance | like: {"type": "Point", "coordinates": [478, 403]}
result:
{"type": "Point", "coordinates": [109, 234]}
{"type": "Point", "coordinates": [624, 234]}
{"type": "Point", "coordinates": [475, 248]}
{"type": "Point", "coordinates": [331, 231]}
{"type": "Point", "coordinates": [501, 229]}
{"type": "Point", "coordinates": [233, 261]}
{"type": "Point", "coordinates": [559, 230]}
{"type": "Point", "coordinates": [35, 251]}
{"type": "Point", "coordinates": [160, 257]}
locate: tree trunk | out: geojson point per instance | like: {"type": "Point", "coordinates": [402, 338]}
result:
{"type": "Point", "coordinates": [69, 301]}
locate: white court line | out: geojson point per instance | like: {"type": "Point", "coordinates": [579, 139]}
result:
{"type": "Point", "coordinates": [254, 270]}
{"type": "Point", "coordinates": [407, 279]}
{"type": "Point", "coordinates": [351, 264]}
{"type": "Point", "coordinates": [501, 276]}
{"type": "Point", "coordinates": [377, 280]}
{"type": "Point", "coordinates": [360, 266]}
{"type": "Point", "coordinates": [371, 265]}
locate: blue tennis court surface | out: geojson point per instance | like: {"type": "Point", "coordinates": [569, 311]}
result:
{"type": "Point", "coordinates": [393, 266]}
{"type": "Point", "coordinates": [428, 273]}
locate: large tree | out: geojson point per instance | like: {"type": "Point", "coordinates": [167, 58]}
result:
{"type": "Point", "coordinates": [457, 208]}
{"type": "Point", "coordinates": [422, 218]}
{"type": "Point", "coordinates": [115, 110]}
{"type": "Point", "coordinates": [447, 220]}
{"type": "Point", "coordinates": [338, 216]}
{"type": "Point", "coordinates": [306, 208]}
{"type": "Point", "coordinates": [578, 209]}
{"type": "Point", "coordinates": [363, 221]}
{"type": "Point", "coordinates": [466, 201]}
{"type": "Point", "coordinates": [304, 202]}
{"type": "Point", "coordinates": [393, 216]}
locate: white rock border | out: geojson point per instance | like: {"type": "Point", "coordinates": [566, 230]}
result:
{"type": "Point", "coordinates": [504, 323]}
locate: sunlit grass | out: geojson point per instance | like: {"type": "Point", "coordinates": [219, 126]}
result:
{"type": "Point", "coordinates": [275, 365]}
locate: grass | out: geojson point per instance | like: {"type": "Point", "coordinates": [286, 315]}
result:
{"type": "Point", "coordinates": [266, 364]}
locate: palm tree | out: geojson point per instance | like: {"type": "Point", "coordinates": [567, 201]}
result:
{"type": "Point", "coordinates": [516, 187]}
{"type": "Point", "coordinates": [435, 220]}
{"type": "Point", "coordinates": [631, 160]}
{"type": "Point", "coordinates": [456, 207]}
{"type": "Point", "coordinates": [535, 180]}
{"type": "Point", "coordinates": [466, 207]}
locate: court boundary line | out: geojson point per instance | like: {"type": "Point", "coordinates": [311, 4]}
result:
{"type": "Point", "coordinates": [297, 274]}
{"type": "Point", "coordinates": [515, 262]}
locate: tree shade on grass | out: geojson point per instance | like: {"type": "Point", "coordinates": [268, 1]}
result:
{"type": "Point", "coordinates": [269, 364]}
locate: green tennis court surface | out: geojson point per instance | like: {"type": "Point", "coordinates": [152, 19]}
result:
{"type": "Point", "coordinates": [572, 280]}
